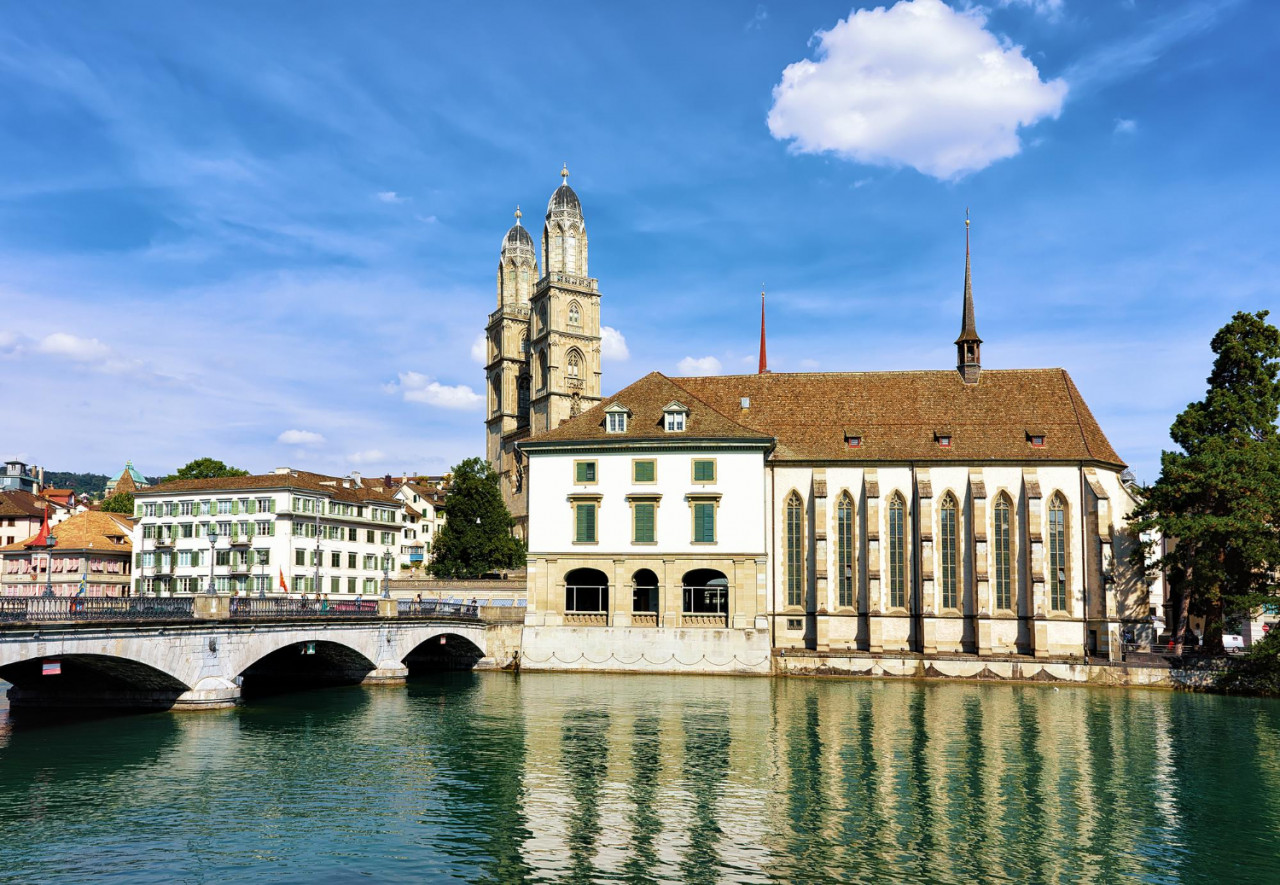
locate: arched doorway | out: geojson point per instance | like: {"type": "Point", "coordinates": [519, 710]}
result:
{"type": "Point", "coordinates": [644, 593]}
{"type": "Point", "coordinates": [706, 593]}
{"type": "Point", "coordinates": [586, 593]}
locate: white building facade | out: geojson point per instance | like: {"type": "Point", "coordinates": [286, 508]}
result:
{"type": "Point", "coordinates": [287, 531]}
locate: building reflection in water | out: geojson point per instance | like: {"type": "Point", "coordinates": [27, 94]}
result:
{"type": "Point", "coordinates": [704, 780]}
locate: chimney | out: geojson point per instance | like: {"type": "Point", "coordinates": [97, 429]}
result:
{"type": "Point", "coordinates": [386, 481]}
{"type": "Point", "coordinates": [355, 478]}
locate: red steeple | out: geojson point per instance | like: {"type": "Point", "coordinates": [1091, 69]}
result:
{"type": "Point", "coordinates": [764, 356]}
{"type": "Point", "coordinates": [41, 539]}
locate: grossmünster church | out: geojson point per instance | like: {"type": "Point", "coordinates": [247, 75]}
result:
{"type": "Point", "coordinates": [706, 524]}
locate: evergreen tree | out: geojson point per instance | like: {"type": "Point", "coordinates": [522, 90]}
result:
{"type": "Point", "coordinates": [1218, 499]}
{"type": "Point", "coordinates": [476, 536]}
{"type": "Point", "coordinates": [205, 468]}
{"type": "Point", "coordinates": [120, 502]}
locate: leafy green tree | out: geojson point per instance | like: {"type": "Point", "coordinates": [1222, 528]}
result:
{"type": "Point", "coordinates": [120, 502]}
{"type": "Point", "coordinates": [204, 468]}
{"type": "Point", "coordinates": [1218, 499]}
{"type": "Point", "coordinates": [1258, 672]}
{"type": "Point", "coordinates": [476, 537]}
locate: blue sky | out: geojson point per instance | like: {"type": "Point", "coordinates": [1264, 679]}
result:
{"type": "Point", "coordinates": [268, 232]}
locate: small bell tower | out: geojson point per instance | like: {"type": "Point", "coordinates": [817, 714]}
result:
{"type": "Point", "coordinates": [968, 345]}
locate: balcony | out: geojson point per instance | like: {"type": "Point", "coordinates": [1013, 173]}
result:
{"type": "Point", "coordinates": [240, 539]}
{"type": "Point", "coordinates": [699, 619]}
{"type": "Point", "coordinates": [644, 619]}
{"type": "Point", "coordinates": [241, 568]}
{"type": "Point", "coordinates": [164, 542]}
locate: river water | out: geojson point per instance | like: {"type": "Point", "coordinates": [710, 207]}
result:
{"type": "Point", "coordinates": [489, 777]}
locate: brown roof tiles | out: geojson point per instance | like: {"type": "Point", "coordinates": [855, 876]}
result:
{"type": "Point", "coordinates": [294, 480]}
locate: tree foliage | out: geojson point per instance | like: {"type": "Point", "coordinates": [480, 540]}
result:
{"type": "Point", "coordinates": [1258, 672]}
{"type": "Point", "coordinates": [204, 468]}
{"type": "Point", "coordinates": [120, 502]}
{"type": "Point", "coordinates": [476, 537]}
{"type": "Point", "coordinates": [80, 483]}
{"type": "Point", "coordinates": [1218, 499]}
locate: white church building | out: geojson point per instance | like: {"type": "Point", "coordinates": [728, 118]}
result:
{"type": "Point", "coordinates": [708, 523]}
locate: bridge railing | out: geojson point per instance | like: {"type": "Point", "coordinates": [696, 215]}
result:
{"type": "Point", "coordinates": [436, 608]}
{"type": "Point", "coordinates": [258, 607]}
{"type": "Point", "coordinates": [44, 609]}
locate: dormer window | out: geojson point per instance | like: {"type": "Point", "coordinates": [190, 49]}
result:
{"type": "Point", "coordinates": [673, 417]}
{"type": "Point", "coordinates": [944, 442]}
{"type": "Point", "coordinates": [942, 436]}
{"type": "Point", "coordinates": [1037, 441]}
{"type": "Point", "coordinates": [852, 438]}
{"type": "Point", "coordinates": [1035, 436]}
{"type": "Point", "coordinates": [615, 418]}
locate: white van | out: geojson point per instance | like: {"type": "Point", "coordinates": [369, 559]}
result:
{"type": "Point", "coordinates": [1233, 643]}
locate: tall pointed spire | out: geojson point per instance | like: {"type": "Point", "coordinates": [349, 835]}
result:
{"type": "Point", "coordinates": [968, 345]}
{"type": "Point", "coordinates": [764, 355]}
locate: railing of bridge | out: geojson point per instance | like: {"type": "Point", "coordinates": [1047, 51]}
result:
{"type": "Point", "coordinates": [243, 607]}
{"type": "Point", "coordinates": [44, 609]}
{"type": "Point", "coordinates": [436, 608]}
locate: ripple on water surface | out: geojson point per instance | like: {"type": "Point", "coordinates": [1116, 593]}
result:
{"type": "Point", "coordinates": [588, 778]}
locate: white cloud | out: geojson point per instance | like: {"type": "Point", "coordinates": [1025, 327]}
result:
{"type": "Point", "coordinates": [73, 347]}
{"type": "Point", "coordinates": [1050, 9]}
{"type": "Point", "coordinates": [918, 84]}
{"type": "Point", "coordinates": [300, 438]}
{"type": "Point", "coordinates": [415, 387]}
{"type": "Point", "coordinates": [369, 456]}
{"type": "Point", "coordinates": [613, 345]}
{"type": "Point", "coordinates": [479, 348]}
{"type": "Point", "coordinates": [757, 20]}
{"type": "Point", "coordinates": [390, 197]}
{"type": "Point", "coordinates": [1125, 127]}
{"type": "Point", "coordinates": [705, 365]}
{"type": "Point", "coordinates": [11, 343]}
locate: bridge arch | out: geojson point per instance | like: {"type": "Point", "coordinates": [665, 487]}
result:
{"type": "Point", "coordinates": [443, 650]}
{"type": "Point", "coordinates": [306, 663]}
{"type": "Point", "coordinates": [90, 681]}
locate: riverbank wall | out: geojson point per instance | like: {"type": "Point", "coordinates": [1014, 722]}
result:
{"type": "Point", "coordinates": [1093, 671]}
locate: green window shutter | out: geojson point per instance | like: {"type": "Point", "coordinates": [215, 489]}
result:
{"type": "Point", "coordinates": [704, 523]}
{"type": "Point", "coordinates": [704, 471]}
{"type": "Point", "coordinates": [586, 471]}
{"type": "Point", "coordinates": [137, 560]}
{"type": "Point", "coordinates": [253, 506]}
{"type": "Point", "coordinates": [644, 523]}
{"type": "Point", "coordinates": [643, 471]}
{"type": "Point", "coordinates": [586, 523]}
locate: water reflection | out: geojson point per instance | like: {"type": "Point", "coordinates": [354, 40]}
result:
{"type": "Point", "coordinates": [595, 778]}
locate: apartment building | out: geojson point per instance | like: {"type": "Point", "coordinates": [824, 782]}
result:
{"type": "Point", "coordinates": [285, 531]}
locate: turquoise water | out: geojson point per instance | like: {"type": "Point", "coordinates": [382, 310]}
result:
{"type": "Point", "coordinates": [489, 777]}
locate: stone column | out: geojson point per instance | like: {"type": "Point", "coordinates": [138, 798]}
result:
{"type": "Point", "coordinates": [670, 595]}
{"type": "Point", "coordinates": [1035, 563]}
{"type": "Point", "coordinates": [983, 605]}
{"type": "Point", "coordinates": [620, 596]}
{"type": "Point", "coordinates": [929, 604]}
{"type": "Point", "coordinates": [821, 586]}
{"type": "Point", "coordinates": [875, 594]}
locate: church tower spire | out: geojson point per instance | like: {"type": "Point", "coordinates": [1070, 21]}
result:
{"type": "Point", "coordinates": [968, 345]}
{"type": "Point", "coordinates": [764, 356]}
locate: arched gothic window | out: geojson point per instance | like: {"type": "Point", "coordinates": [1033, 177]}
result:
{"type": "Point", "coordinates": [1003, 553]}
{"type": "Point", "coordinates": [574, 366]}
{"type": "Point", "coordinates": [524, 343]}
{"type": "Point", "coordinates": [897, 553]}
{"type": "Point", "coordinates": [575, 314]}
{"type": "Point", "coordinates": [522, 395]}
{"type": "Point", "coordinates": [794, 544]}
{"type": "Point", "coordinates": [844, 551]}
{"type": "Point", "coordinates": [1057, 553]}
{"type": "Point", "coordinates": [948, 523]}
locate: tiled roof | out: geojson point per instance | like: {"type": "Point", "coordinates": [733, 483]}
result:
{"type": "Point", "coordinates": [294, 480]}
{"type": "Point", "coordinates": [92, 530]}
{"type": "Point", "coordinates": [17, 503]}
{"type": "Point", "coordinates": [898, 415]}
{"type": "Point", "coordinates": [646, 399]}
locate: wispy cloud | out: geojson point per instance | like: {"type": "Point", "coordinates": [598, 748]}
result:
{"type": "Point", "coordinates": [414, 387]}
{"type": "Point", "coordinates": [1050, 9]}
{"type": "Point", "coordinates": [1125, 127]}
{"type": "Point", "coordinates": [758, 18]}
{"type": "Point", "coordinates": [300, 438]}
{"type": "Point", "coordinates": [702, 365]}
{"type": "Point", "coordinates": [391, 197]}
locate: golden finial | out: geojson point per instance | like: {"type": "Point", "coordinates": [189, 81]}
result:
{"type": "Point", "coordinates": [966, 216]}
{"type": "Point", "coordinates": [564, 174]}
{"type": "Point", "coordinates": [518, 213]}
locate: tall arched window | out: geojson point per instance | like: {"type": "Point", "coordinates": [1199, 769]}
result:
{"type": "Point", "coordinates": [948, 522]}
{"type": "Point", "coordinates": [794, 544]}
{"type": "Point", "coordinates": [575, 314]}
{"type": "Point", "coordinates": [844, 551]}
{"type": "Point", "coordinates": [524, 342]}
{"type": "Point", "coordinates": [1057, 553]}
{"type": "Point", "coordinates": [574, 368]}
{"type": "Point", "coordinates": [897, 553]}
{"type": "Point", "coordinates": [522, 394]}
{"type": "Point", "coordinates": [1003, 553]}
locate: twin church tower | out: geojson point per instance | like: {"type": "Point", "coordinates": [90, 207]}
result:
{"type": "Point", "coordinates": [543, 341]}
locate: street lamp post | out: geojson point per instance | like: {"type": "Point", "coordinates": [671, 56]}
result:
{"type": "Point", "coordinates": [49, 544]}
{"type": "Point", "coordinates": [213, 543]}
{"type": "Point", "coordinates": [386, 577]}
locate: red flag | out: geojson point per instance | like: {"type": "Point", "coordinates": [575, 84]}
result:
{"type": "Point", "coordinates": [284, 588]}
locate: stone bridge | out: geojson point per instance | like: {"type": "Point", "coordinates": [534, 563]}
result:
{"type": "Point", "coordinates": [209, 656]}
